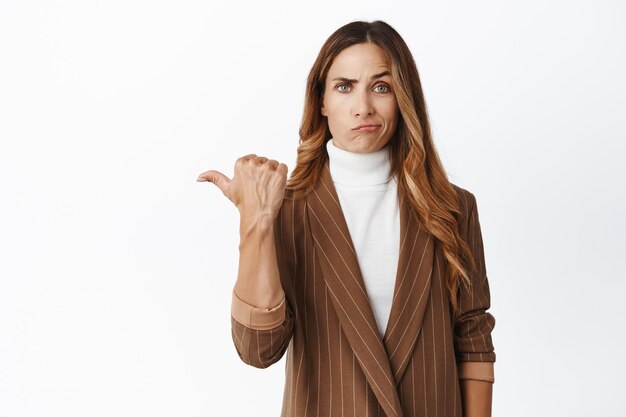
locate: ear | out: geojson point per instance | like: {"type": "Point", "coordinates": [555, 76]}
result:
{"type": "Point", "coordinates": [323, 111]}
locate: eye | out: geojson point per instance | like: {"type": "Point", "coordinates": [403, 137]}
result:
{"type": "Point", "coordinates": [342, 85]}
{"type": "Point", "coordinates": [384, 86]}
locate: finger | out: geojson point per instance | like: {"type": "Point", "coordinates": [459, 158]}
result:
{"type": "Point", "coordinates": [282, 168]}
{"type": "Point", "coordinates": [272, 163]}
{"type": "Point", "coordinates": [215, 177]}
{"type": "Point", "coordinates": [244, 159]}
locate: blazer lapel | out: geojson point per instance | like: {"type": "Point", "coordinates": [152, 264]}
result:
{"type": "Point", "coordinates": [338, 260]}
{"type": "Point", "coordinates": [383, 361]}
{"type": "Point", "coordinates": [411, 290]}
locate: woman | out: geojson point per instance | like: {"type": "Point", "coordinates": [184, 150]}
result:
{"type": "Point", "coordinates": [367, 266]}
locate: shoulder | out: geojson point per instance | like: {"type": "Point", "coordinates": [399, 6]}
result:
{"type": "Point", "coordinates": [465, 198]}
{"type": "Point", "coordinates": [289, 228]}
{"type": "Point", "coordinates": [467, 204]}
{"type": "Point", "coordinates": [293, 199]}
{"type": "Point", "coordinates": [291, 213]}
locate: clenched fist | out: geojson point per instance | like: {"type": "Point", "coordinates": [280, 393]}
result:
{"type": "Point", "coordinates": [257, 188]}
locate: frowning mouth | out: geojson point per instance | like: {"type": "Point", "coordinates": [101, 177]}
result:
{"type": "Point", "coordinates": [366, 127]}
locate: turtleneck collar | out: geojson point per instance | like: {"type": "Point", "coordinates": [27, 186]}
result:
{"type": "Point", "coordinates": [354, 168]}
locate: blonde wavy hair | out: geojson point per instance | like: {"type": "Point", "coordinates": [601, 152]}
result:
{"type": "Point", "coordinates": [415, 162]}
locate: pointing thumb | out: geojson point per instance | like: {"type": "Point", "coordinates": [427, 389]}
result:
{"type": "Point", "coordinates": [215, 177]}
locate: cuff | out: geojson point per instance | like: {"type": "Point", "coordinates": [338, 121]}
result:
{"type": "Point", "coordinates": [482, 371]}
{"type": "Point", "coordinates": [255, 317]}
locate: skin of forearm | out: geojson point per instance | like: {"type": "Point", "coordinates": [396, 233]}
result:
{"type": "Point", "coordinates": [258, 279]}
{"type": "Point", "coordinates": [477, 397]}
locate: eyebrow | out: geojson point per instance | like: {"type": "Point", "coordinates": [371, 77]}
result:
{"type": "Point", "coordinates": [381, 74]}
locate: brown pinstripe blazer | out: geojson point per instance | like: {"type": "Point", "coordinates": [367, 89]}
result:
{"type": "Point", "coordinates": [337, 364]}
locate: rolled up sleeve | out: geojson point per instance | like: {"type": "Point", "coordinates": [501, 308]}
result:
{"type": "Point", "coordinates": [473, 326]}
{"type": "Point", "coordinates": [255, 317]}
{"type": "Point", "coordinates": [261, 335]}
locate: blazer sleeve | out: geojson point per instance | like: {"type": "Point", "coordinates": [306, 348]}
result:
{"type": "Point", "coordinates": [261, 335]}
{"type": "Point", "coordinates": [259, 344]}
{"type": "Point", "coordinates": [473, 325]}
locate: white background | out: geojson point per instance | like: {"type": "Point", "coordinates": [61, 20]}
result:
{"type": "Point", "coordinates": [116, 266]}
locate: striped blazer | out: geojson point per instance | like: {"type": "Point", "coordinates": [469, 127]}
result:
{"type": "Point", "coordinates": [337, 363]}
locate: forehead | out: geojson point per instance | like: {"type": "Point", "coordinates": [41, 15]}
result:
{"type": "Point", "coordinates": [357, 59]}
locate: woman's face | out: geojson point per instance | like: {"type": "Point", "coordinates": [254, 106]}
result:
{"type": "Point", "coordinates": [358, 91]}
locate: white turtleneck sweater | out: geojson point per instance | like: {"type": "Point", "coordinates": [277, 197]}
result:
{"type": "Point", "coordinates": [368, 196]}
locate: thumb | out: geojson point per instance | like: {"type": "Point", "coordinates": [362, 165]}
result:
{"type": "Point", "coordinates": [216, 178]}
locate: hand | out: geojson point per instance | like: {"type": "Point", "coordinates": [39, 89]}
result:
{"type": "Point", "coordinates": [257, 187]}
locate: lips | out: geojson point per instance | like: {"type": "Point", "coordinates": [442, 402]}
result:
{"type": "Point", "coordinates": [368, 127]}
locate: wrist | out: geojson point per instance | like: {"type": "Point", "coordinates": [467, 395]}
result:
{"type": "Point", "coordinates": [255, 227]}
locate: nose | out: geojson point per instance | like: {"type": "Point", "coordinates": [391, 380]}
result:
{"type": "Point", "coordinates": [363, 104]}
